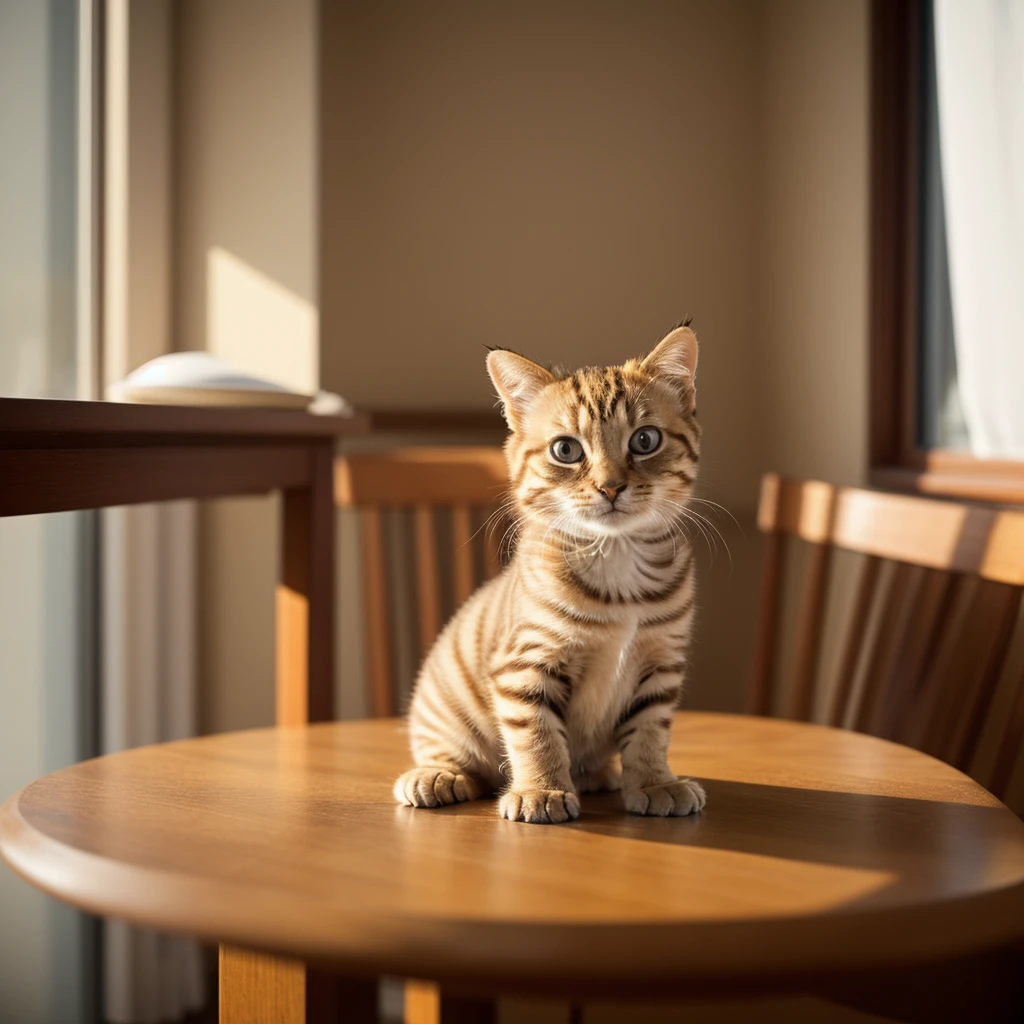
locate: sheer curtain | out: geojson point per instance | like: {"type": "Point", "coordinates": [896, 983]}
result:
{"type": "Point", "coordinates": [979, 53]}
{"type": "Point", "coordinates": [147, 553]}
{"type": "Point", "coordinates": [148, 584]}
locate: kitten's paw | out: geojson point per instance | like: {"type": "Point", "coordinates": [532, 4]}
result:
{"type": "Point", "coordinates": [539, 806]}
{"type": "Point", "coordinates": [607, 779]}
{"type": "Point", "coordinates": [433, 786]}
{"type": "Point", "coordinates": [670, 799]}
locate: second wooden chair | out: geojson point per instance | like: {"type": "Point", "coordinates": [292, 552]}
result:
{"type": "Point", "coordinates": [468, 483]}
{"type": "Point", "coordinates": [929, 629]}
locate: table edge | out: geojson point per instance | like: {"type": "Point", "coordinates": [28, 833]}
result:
{"type": "Point", "coordinates": [416, 945]}
{"type": "Point", "coordinates": [56, 422]}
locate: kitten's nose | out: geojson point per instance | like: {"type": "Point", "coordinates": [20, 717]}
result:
{"type": "Point", "coordinates": [611, 489]}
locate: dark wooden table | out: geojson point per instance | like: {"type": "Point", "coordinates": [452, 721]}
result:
{"type": "Point", "coordinates": [58, 456]}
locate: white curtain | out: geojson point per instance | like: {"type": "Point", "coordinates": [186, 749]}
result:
{"type": "Point", "coordinates": [148, 688]}
{"type": "Point", "coordinates": [979, 56]}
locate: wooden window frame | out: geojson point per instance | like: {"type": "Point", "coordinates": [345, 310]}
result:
{"type": "Point", "coordinates": [897, 461]}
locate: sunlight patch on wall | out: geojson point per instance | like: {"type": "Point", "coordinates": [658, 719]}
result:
{"type": "Point", "coordinates": [260, 326]}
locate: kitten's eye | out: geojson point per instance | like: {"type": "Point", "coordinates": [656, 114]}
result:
{"type": "Point", "coordinates": [645, 440]}
{"type": "Point", "coordinates": [566, 449]}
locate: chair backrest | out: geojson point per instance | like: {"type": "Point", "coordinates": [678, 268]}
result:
{"type": "Point", "coordinates": [469, 483]}
{"type": "Point", "coordinates": [929, 629]}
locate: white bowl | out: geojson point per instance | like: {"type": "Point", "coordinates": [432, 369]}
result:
{"type": "Point", "coordinates": [198, 378]}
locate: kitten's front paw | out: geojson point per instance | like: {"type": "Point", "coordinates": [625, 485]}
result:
{"type": "Point", "coordinates": [670, 799]}
{"type": "Point", "coordinates": [432, 786]}
{"type": "Point", "coordinates": [539, 806]}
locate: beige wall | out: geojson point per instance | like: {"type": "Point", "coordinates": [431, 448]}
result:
{"type": "Point", "coordinates": [569, 180]}
{"type": "Point", "coordinates": [572, 180]}
{"type": "Point", "coordinates": [812, 170]}
{"type": "Point", "coordinates": [808, 343]}
{"type": "Point", "coordinates": [246, 289]}
{"type": "Point", "coordinates": [246, 174]}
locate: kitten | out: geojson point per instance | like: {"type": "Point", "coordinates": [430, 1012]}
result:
{"type": "Point", "coordinates": [574, 656]}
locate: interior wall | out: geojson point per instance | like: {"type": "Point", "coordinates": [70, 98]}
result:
{"type": "Point", "coordinates": [573, 180]}
{"type": "Point", "coordinates": [813, 247]}
{"type": "Point", "coordinates": [569, 181]}
{"type": "Point", "coordinates": [246, 289]}
{"type": "Point", "coordinates": [811, 341]}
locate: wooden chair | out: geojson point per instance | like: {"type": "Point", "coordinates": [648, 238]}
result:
{"type": "Point", "coordinates": [467, 485]}
{"type": "Point", "coordinates": [935, 608]}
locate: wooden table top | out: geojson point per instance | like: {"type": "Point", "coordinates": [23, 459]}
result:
{"type": "Point", "coordinates": [56, 423]}
{"type": "Point", "coordinates": [69, 455]}
{"type": "Point", "coordinates": [819, 850]}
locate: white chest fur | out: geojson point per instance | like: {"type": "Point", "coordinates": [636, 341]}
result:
{"type": "Point", "coordinates": [603, 688]}
{"type": "Point", "coordinates": [626, 570]}
{"type": "Point", "coordinates": [614, 566]}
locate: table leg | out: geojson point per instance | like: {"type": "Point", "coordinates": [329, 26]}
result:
{"type": "Point", "coordinates": [305, 598]}
{"type": "Point", "coordinates": [426, 1003]}
{"type": "Point", "coordinates": [258, 989]}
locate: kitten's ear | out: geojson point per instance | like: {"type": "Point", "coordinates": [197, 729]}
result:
{"type": "Point", "coordinates": [519, 380]}
{"type": "Point", "coordinates": [674, 360]}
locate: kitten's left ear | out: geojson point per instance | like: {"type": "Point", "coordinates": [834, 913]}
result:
{"type": "Point", "coordinates": [674, 360]}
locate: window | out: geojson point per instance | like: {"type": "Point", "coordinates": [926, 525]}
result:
{"type": "Point", "coordinates": [947, 341]}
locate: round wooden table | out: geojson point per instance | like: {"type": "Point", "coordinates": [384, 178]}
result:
{"type": "Point", "coordinates": [819, 851]}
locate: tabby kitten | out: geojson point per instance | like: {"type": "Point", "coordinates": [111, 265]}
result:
{"type": "Point", "coordinates": [574, 656]}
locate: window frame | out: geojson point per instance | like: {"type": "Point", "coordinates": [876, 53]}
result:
{"type": "Point", "coordinates": [896, 459]}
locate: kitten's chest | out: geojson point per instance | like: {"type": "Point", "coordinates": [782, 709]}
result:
{"type": "Point", "coordinates": [618, 569]}
{"type": "Point", "coordinates": [606, 677]}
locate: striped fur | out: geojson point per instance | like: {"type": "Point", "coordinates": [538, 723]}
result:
{"type": "Point", "coordinates": [560, 676]}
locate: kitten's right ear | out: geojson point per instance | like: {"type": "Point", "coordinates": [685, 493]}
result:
{"type": "Point", "coordinates": [518, 380]}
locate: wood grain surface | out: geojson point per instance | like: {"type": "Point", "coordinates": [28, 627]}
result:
{"type": "Point", "coordinates": [820, 851]}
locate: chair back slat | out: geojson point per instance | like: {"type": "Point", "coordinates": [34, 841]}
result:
{"type": "Point", "coordinates": [809, 630]}
{"type": "Point", "coordinates": [884, 649]}
{"type": "Point", "coordinates": [463, 482]}
{"type": "Point", "coordinates": [926, 720]}
{"type": "Point", "coordinates": [428, 581]}
{"type": "Point", "coordinates": [854, 644]}
{"type": "Point", "coordinates": [762, 691]}
{"type": "Point", "coordinates": [956, 671]}
{"type": "Point", "coordinates": [382, 694]}
{"type": "Point", "coordinates": [1009, 748]}
{"type": "Point", "coordinates": [934, 602]}
{"type": "Point", "coordinates": [969, 672]}
{"type": "Point", "coordinates": [1005, 607]}
{"type": "Point", "coordinates": [462, 551]}
{"type": "Point", "coordinates": [932, 618]}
